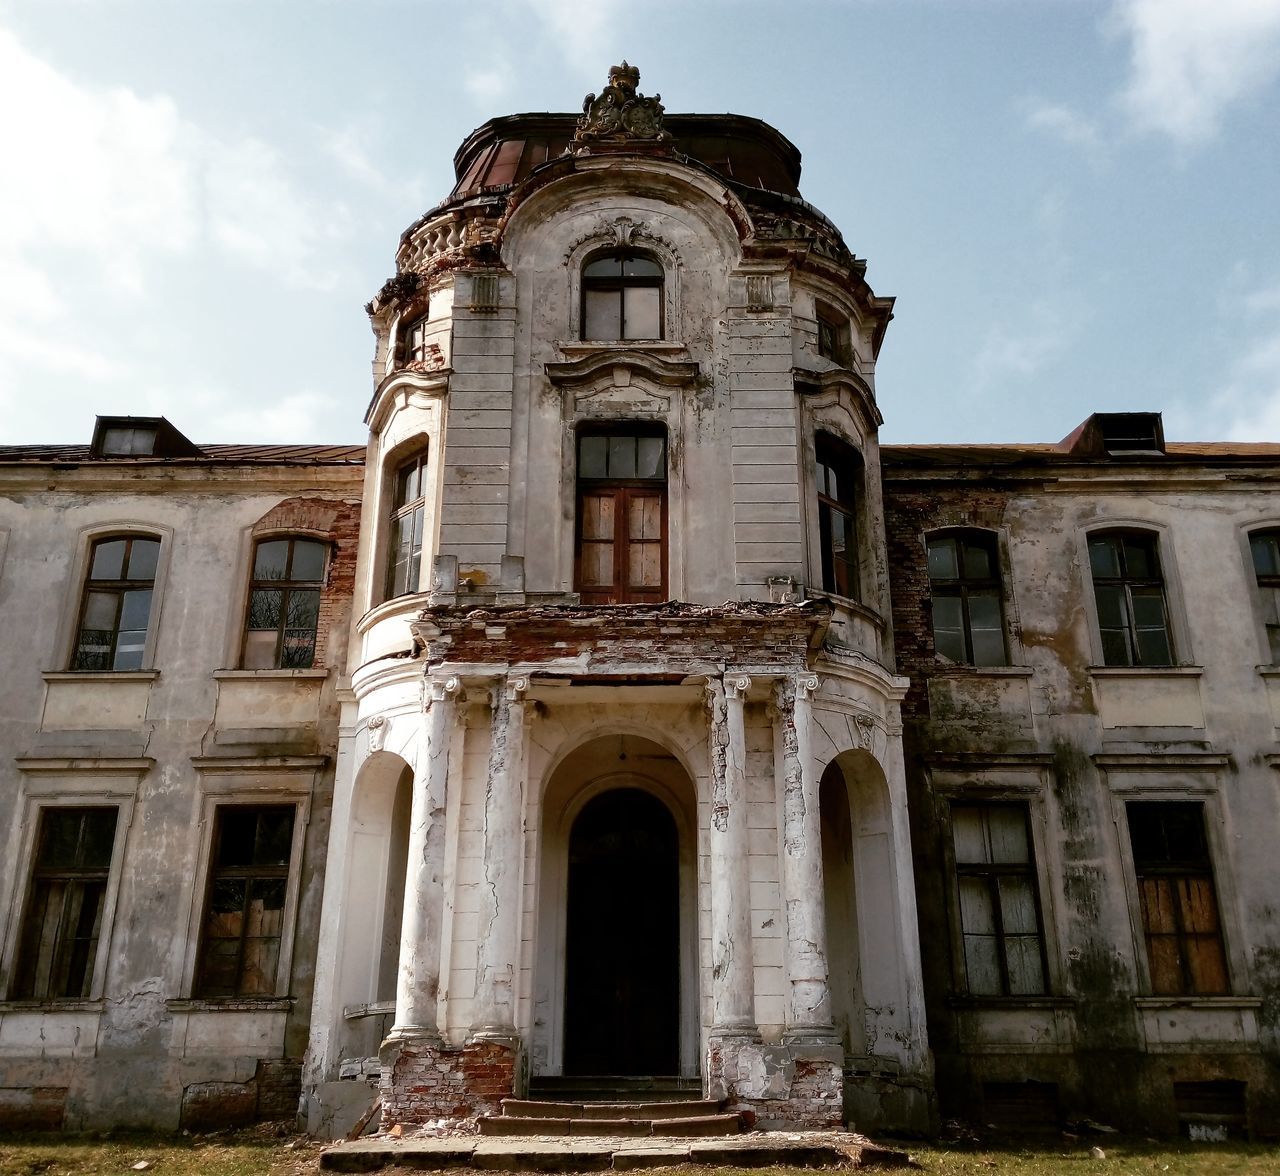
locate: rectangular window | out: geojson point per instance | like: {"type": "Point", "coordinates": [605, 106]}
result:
{"type": "Point", "coordinates": [999, 906]}
{"type": "Point", "coordinates": [622, 518]}
{"type": "Point", "coordinates": [1177, 898]}
{"type": "Point", "coordinates": [839, 472]}
{"type": "Point", "coordinates": [408, 523]}
{"type": "Point", "coordinates": [116, 607]}
{"type": "Point", "coordinates": [1128, 588]}
{"type": "Point", "coordinates": [964, 586]}
{"type": "Point", "coordinates": [284, 604]}
{"type": "Point", "coordinates": [1265, 546]}
{"type": "Point", "coordinates": [244, 911]}
{"type": "Point", "coordinates": [833, 335]}
{"type": "Point", "coordinates": [63, 919]}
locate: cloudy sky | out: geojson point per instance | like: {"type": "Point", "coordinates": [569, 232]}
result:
{"type": "Point", "coordinates": [1077, 204]}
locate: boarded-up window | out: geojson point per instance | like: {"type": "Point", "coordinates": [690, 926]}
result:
{"type": "Point", "coordinates": [63, 919]}
{"type": "Point", "coordinates": [1177, 898]}
{"type": "Point", "coordinates": [1265, 546]}
{"type": "Point", "coordinates": [244, 912]}
{"type": "Point", "coordinates": [622, 517]}
{"type": "Point", "coordinates": [964, 587]}
{"type": "Point", "coordinates": [999, 905]}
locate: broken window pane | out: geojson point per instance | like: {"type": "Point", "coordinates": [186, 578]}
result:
{"type": "Point", "coordinates": [116, 605]}
{"type": "Point", "coordinates": [964, 582]}
{"type": "Point", "coordinates": [1128, 591]}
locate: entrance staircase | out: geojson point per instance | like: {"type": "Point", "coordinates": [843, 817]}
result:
{"type": "Point", "coordinates": [617, 1107]}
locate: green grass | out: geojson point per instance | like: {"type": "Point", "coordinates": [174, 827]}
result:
{"type": "Point", "coordinates": [259, 1153]}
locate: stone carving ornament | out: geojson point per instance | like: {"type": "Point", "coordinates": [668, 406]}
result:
{"type": "Point", "coordinates": [620, 113]}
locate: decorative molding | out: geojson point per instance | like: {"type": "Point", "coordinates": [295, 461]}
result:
{"type": "Point", "coordinates": [736, 685]}
{"type": "Point", "coordinates": [377, 729]}
{"type": "Point", "coordinates": [759, 292]}
{"type": "Point", "coordinates": [608, 360]}
{"type": "Point", "coordinates": [621, 114]}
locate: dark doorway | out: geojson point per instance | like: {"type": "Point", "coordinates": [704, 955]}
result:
{"type": "Point", "coordinates": [622, 965]}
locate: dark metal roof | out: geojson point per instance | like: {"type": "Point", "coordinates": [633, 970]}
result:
{"type": "Point", "coordinates": [505, 151]}
{"type": "Point", "coordinates": [209, 454]}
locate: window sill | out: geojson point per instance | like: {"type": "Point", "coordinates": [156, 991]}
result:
{"type": "Point", "coordinates": [231, 1004]}
{"type": "Point", "coordinates": [948, 669]}
{"type": "Point", "coordinates": [592, 346]}
{"type": "Point", "coordinates": [380, 1008]}
{"type": "Point", "coordinates": [272, 675]}
{"type": "Point", "coordinates": [1268, 671]}
{"type": "Point", "coordinates": [1198, 1002]}
{"type": "Point", "coordinates": [849, 604]}
{"type": "Point", "coordinates": [100, 675]}
{"type": "Point", "coordinates": [994, 1003]}
{"type": "Point", "coordinates": [56, 1005]}
{"type": "Point", "coordinates": [1146, 671]}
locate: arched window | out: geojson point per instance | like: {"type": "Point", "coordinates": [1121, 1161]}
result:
{"type": "Point", "coordinates": [622, 515]}
{"type": "Point", "coordinates": [116, 607]}
{"type": "Point", "coordinates": [622, 297]}
{"type": "Point", "coordinates": [408, 518]}
{"type": "Point", "coordinates": [1265, 546]}
{"type": "Point", "coordinates": [1128, 588]}
{"type": "Point", "coordinates": [964, 586]}
{"type": "Point", "coordinates": [839, 483]}
{"type": "Point", "coordinates": [284, 604]}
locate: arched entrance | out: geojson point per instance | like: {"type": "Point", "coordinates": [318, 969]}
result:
{"type": "Point", "coordinates": [622, 937]}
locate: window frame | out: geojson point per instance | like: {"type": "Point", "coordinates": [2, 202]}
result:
{"type": "Point", "coordinates": [394, 512]}
{"type": "Point", "coordinates": [960, 586]}
{"type": "Point", "coordinates": [991, 872]}
{"type": "Point", "coordinates": [1269, 644]}
{"type": "Point", "coordinates": [1206, 801]}
{"type": "Point", "coordinates": [68, 630]}
{"type": "Point", "coordinates": [621, 283]}
{"type": "Point", "coordinates": [1174, 634]}
{"type": "Point", "coordinates": [834, 336]}
{"type": "Point", "coordinates": [407, 349]}
{"type": "Point", "coordinates": [825, 505]}
{"type": "Point", "coordinates": [286, 586]}
{"type": "Point", "coordinates": [103, 784]}
{"type": "Point", "coordinates": [232, 784]}
{"type": "Point", "coordinates": [625, 491]}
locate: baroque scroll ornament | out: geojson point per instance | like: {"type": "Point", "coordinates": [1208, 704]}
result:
{"type": "Point", "coordinates": [620, 113]}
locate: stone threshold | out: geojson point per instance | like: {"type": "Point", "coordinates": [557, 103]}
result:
{"type": "Point", "coordinates": [758, 1150]}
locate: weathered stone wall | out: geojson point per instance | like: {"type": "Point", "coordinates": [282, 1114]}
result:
{"type": "Point", "coordinates": [428, 1081]}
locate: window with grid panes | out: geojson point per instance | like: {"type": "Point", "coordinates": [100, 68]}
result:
{"type": "Point", "coordinates": [833, 334]}
{"type": "Point", "coordinates": [408, 518]}
{"type": "Point", "coordinates": [622, 297]}
{"type": "Point", "coordinates": [284, 604]}
{"type": "Point", "coordinates": [999, 904]}
{"type": "Point", "coordinates": [413, 340]}
{"type": "Point", "coordinates": [244, 911]}
{"type": "Point", "coordinates": [116, 607]}
{"type": "Point", "coordinates": [1128, 588]}
{"type": "Point", "coordinates": [839, 471]}
{"type": "Point", "coordinates": [964, 588]}
{"type": "Point", "coordinates": [622, 517]}
{"type": "Point", "coordinates": [1177, 898]}
{"type": "Point", "coordinates": [62, 922]}
{"type": "Point", "coordinates": [1265, 546]}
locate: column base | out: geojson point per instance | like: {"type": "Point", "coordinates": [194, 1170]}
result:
{"type": "Point", "coordinates": [425, 1079]}
{"type": "Point", "coordinates": [789, 1085]}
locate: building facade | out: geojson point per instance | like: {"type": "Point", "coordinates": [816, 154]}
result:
{"type": "Point", "coordinates": [622, 714]}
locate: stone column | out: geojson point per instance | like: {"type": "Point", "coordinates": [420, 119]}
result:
{"type": "Point", "coordinates": [498, 950]}
{"type": "Point", "coordinates": [418, 977]}
{"type": "Point", "coordinates": [808, 1009]}
{"type": "Point", "coordinates": [732, 974]}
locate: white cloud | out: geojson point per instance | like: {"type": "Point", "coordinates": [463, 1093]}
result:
{"type": "Point", "coordinates": [1065, 124]}
{"type": "Point", "coordinates": [486, 85]}
{"type": "Point", "coordinates": [1023, 349]}
{"type": "Point", "coordinates": [1191, 59]}
{"type": "Point", "coordinates": [582, 28]}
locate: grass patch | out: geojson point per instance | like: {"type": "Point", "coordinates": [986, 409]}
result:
{"type": "Point", "coordinates": [1121, 1157]}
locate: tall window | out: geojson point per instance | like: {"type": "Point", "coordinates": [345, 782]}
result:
{"type": "Point", "coordinates": [413, 340]}
{"type": "Point", "coordinates": [622, 517]}
{"type": "Point", "coordinates": [1177, 897]}
{"type": "Point", "coordinates": [284, 604]}
{"type": "Point", "coordinates": [117, 604]}
{"type": "Point", "coordinates": [839, 480]}
{"type": "Point", "coordinates": [833, 334]}
{"type": "Point", "coordinates": [999, 909]}
{"type": "Point", "coordinates": [964, 585]}
{"type": "Point", "coordinates": [408, 517]}
{"type": "Point", "coordinates": [63, 919]}
{"type": "Point", "coordinates": [622, 297]}
{"type": "Point", "coordinates": [244, 912]}
{"type": "Point", "coordinates": [1266, 566]}
{"type": "Point", "coordinates": [1128, 587]}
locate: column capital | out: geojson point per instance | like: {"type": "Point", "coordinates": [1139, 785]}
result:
{"type": "Point", "coordinates": [736, 685]}
{"type": "Point", "coordinates": [441, 688]}
{"type": "Point", "coordinates": [515, 686]}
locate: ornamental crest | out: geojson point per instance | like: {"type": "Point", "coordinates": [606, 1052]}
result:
{"type": "Point", "coordinates": [620, 113]}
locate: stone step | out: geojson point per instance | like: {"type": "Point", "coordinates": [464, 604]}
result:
{"type": "Point", "coordinates": [690, 1126]}
{"type": "Point", "coordinates": [550, 1109]}
{"type": "Point", "coordinates": [614, 1088]}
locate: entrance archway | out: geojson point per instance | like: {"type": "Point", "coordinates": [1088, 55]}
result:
{"type": "Point", "coordinates": [622, 937]}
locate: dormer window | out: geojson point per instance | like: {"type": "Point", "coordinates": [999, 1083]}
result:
{"type": "Point", "coordinates": [622, 297]}
{"type": "Point", "coordinates": [125, 442]}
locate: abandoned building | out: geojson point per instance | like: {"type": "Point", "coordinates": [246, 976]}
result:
{"type": "Point", "coordinates": [624, 718]}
